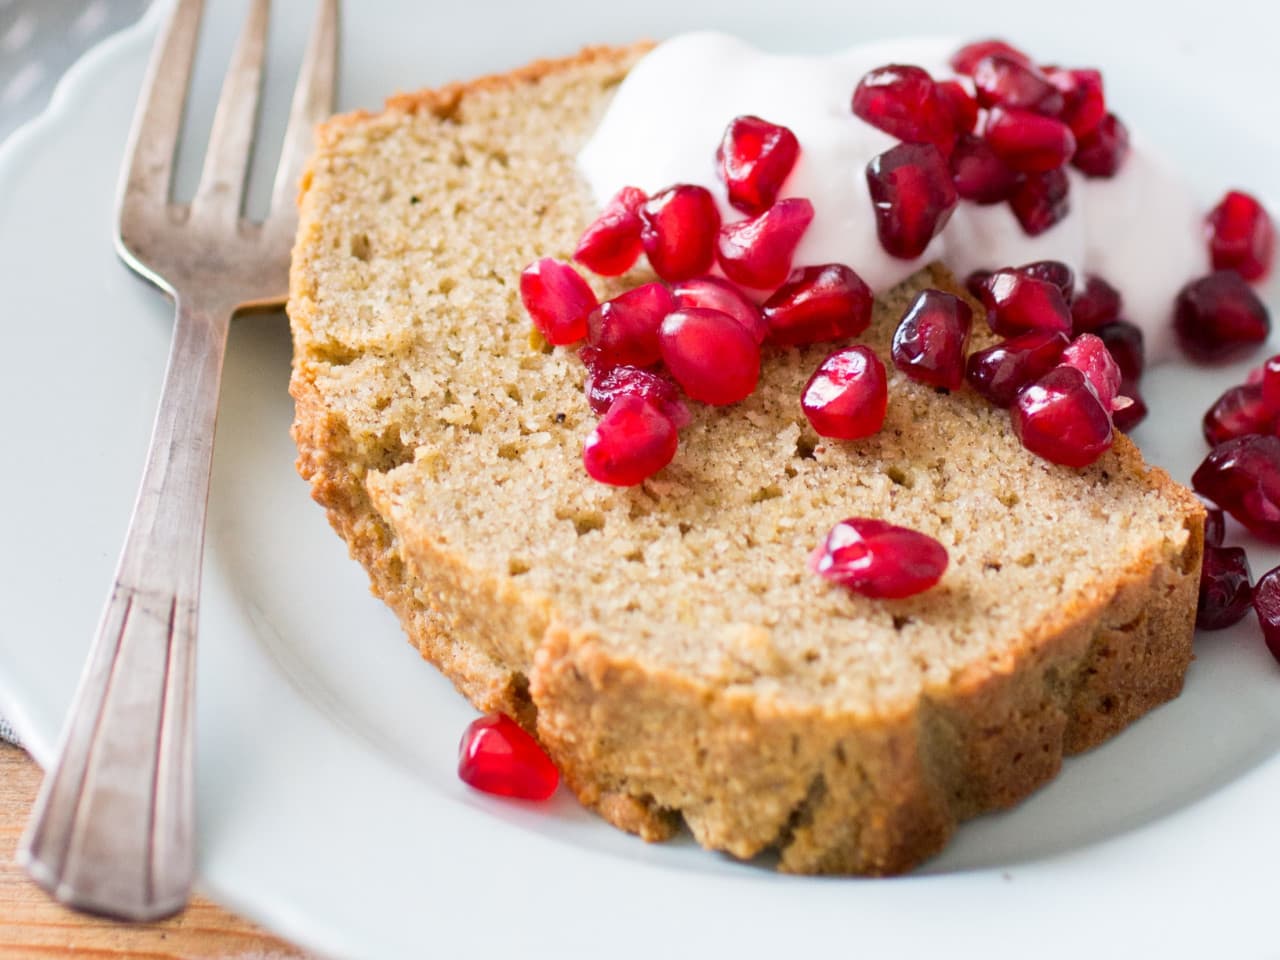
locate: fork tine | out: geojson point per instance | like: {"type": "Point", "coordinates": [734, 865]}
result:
{"type": "Point", "coordinates": [231, 140]}
{"type": "Point", "coordinates": [312, 102]}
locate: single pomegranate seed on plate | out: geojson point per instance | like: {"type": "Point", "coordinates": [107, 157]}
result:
{"type": "Point", "coordinates": [1241, 236]}
{"type": "Point", "coordinates": [1101, 151]}
{"type": "Point", "coordinates": [611, 245]}
{"type": "Point", "coordinates": [978, 172]}
{"type": "Point", "coordinates": [1270, 381]}
{"type": "Point", "coordinates": [1084, 104]}
{"type": "Point", "coordinates": [1219, 317]}
{"type": "Point", "coordinates": [1059, 417]}
{"type": "Point", "coordinates": [1125, 341]}
{"type": "Point", "coordinates": [967, 57]}
{"type": "Point", "coordinates": [498, 757]}
{"type": "Point", "coordinates": [913, 196]}
{"type": "Point", "coordinates": [1238, 412]}
{"type": "Point", "coordinates": [1052, 271]}
{"type": "Point", "coordinates": [1088, 354]}
{"type": "Point", "coordinates": [757, 252]}
{"type": "Point", "coordinates": [710, 354]}
{"type": "Point", "coordinates": [1000, 371]}
{"type": "Point", "coordinates": [847, 395]}
{"type": "Point", "coordinates": [1215, 526]}
{"type": "Point", "coordinates": [754, 159]}
{"type": "Point", "coordinates": [1225, 591]}
{"type": "Point", "coordinates": [959, 103]}
{"type": "Point", "coordinates": [903, 102]}
{"type": "Point", "coordinates": [1242, 476]}
{"type": "Point", "coordinates": [930, 342]}
{"type": "Point", "coordinates": [558, 300]}
{"type": "Point", "coordinates": [976, 282]}
{"type": "Point", "coordinates": [678, 231]}
{"type": "Point", "coordinates": [717, 294]}
{"type": "Point", "coordinates": [1040, 201]}
{"type": "Point", "coordinates": [1005, 81]}
{"type": "Point", "coordinates": [1017, 303]}
{"type": "Point", "coordinates": [817, 304]}
{"type": "Point", "coordinates": [607, 384]}
{"type": "Point", "coordinates": [631, 443]}
{"type": "Point", "coordinates": [1126, 418]}
{"type": "Point", "coordinates": [1266, 604]}
{"type": "Point", "coordinates": [879, 559]}
{"type": "Point", "coordinates": [1096, 304]}
{"type": "Point", "coordinates": [1029, 142]}
{"type": "Point", "coordinates": [625, 329]}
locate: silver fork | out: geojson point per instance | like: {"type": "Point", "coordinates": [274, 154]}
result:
{"type": "Point", "coordinates": [113, 827]}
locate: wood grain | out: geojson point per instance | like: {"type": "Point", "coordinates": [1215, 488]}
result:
{"type": "Point", "coordinates": [33, 926]}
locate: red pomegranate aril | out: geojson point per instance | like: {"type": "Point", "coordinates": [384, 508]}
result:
{"type": "Point", "coordinates": [1029, 142]}
{"type": "Point", "coordinates": [611, 245]}
{"type": "Point", "coordinates": [1088, 354]}
{"type": "Point", "coordinates": [1225, 591]}
{"type": "Point", "coordinates": [976, 283]}
{"type": "Point", "coordinates": [879, 559]}
{"type": "Point", "coordinates": [757, 252]}
{"type": "Point", "coordinates": [967, 57]}
{"type": "Point", "coordinates": [1000, 371]}
{"type": "Point", "coordinates": [1096, 304]}
{"type": "Point", "coordinates": [1017, 303]}
{"type": "Point", "coordinates": [754, 159]}
{"type": "Point", "coordinates": [1052, 271]}
{"type": "Point", "coordinates": [717, 294]}
{"type": "Point", "coordinates": [558, 300]}
{"type": "Point", "coordinates": [959, 103]}
{"type": "Point", "coordinates": [498, 757]}
{"type": "Point", "coordinates": [1059, 417]}
{"type": "Point", "coordinates": [678, 232]}
{"type": "Point", "coordinates": [607, 384]}
{"type": "Point", "coordinates": [710, 355]}
{"type": "Point", "coordinates": [1242, 476]}
{"type": "Point", "coordinates": [901, 100]}
{"type": "Point", "coordinates": [817, 304]}
{"type": "Point", "coordinates": [1101, 151]}
{"type": "Point", "coordinates": [1270, 381]}
{"type": "Point", "coordinates": [1266, 604]}
{"type": "Point", "coordinates": [1238, 412]}
{"type": "Point", "coordinates": [1242, 236]}
{"type": "Point", "coordinates": [625, 329]}
{"type": "Point", "coordinates": [1219, 317]}
{"type": "Point", "coordinates": [1003, 81]}
{"type": "Point", "coordinates": [847, 395]}
{"type": "Point", "coordinates": [1215, 526]}
{"type": "Point", "coordinates": [913, 196]}
{"type": "Point", "coordinates": [1128, 417]}
{"type": "Point", "coordinates": [1084, 104]}
{"type": "Point", "coordinates": [631, 443]}
{"type": "Point", "coordinates": [930, 343]}
{"type": "Point", "coordinates": [1125, 342]}
{"type": "Point", "coordinates": [978, 172]}
{"type": "Point", "coordinates": [1040, 201]}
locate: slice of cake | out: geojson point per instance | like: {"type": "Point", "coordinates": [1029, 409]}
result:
{"type": "Point", "coordinates": [666, 642]}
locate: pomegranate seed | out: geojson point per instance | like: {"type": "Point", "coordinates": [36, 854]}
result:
{"type": "Point", "coordinates": [1084, 104]}
{"type": "Point", "coordinates": [1052, 271]}
{"type": "Point", "coordinates": [1266, 604]}
{"type": "Point", "coordinates": [879, 559]}
{"type": "Point", "coordinates": [816, 304]}
{"type": "Point", "coordinates": [498, 757]}
{"type": "Point", "coordinates": [978, 172]}
{"type": "Point", "coordinates": [1239, 411]}
{"type": "Point", "coordinates": [679, 231]}
{"type": "Point", "coordinates": [976, 283]}
{"type": "Point", "coordinates": [625, 329]}
{"type": "Point", "coordinates": [757, 252]}
{"type": "Point", "coordinates": [1005, 81]}
{"type": "Point", "coordinates": [967, 57]}
{"type": "Point", "coordinates": [1017, 303]}
{"type": "Point", "coordinates": [1096, 304]}
{"type": "Point", "coordinates": [558, 300]}
{"type": "Point", "coordinates": [959, 103]}
{"type": "Point", "coordinates": [1040, 201]}
{"type": "Point", "coordinates": [605, 385]}
{"type": "Point", "coordinates": [1126, 418]}
{"type": "Point", "coordinates": [1125, 342]}
{"type": "Point", "coordinates": [710, 354]}
{"type": "Point", "coordinates": [902, 101]}
{"type": "Point", "coordinates": [1101, 151]}
{"type": "Point", "coordinates": [1242, 476]}
{"type": "Point", "coordinates": [1225, 591]}
{"type": "Point", "coordinates": [1270, 381]}
{"type": "Point", "coordinates": [999, 372]}
{"type": "Point", "coordinates": [1219, 317]}
{"type": "Point", "coordinates": [847, 395]}
{"type": "Point", "coordinates": [1215, 526]}
{"type": "Point", "coordinates": [716, 294]}
{"type": "Point", "coordinates": [1029, 142]}
{"type": "Point", "coordinates": [1088, 354]}
{"type": "Point", "coordinates": [930, 343]}
{"type": "Point", "coordinates": [1060, 418]}
{"type": "Point", "coordinates": [1241, 236]}
{"type": "Point", "coordinates": [913, 196]}
{"type": "Point", "coordinates": [611, 245]}
{"type": "Point", "coordinates": [754, 159]}
{"type": "Point", "coordinates": [631, 443]}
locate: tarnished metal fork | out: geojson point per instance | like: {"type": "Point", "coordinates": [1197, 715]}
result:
{"type": "Point", "coordinates": [113, 827]}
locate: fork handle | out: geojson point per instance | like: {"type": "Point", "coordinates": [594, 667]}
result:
{"type": "Point", "coordinates": [113, 827]}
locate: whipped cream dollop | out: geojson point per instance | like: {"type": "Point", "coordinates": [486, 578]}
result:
{"type": "Point", "coordinates": [1141, 230]}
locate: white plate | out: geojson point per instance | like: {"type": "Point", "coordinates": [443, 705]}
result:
{"type": "Point", "coordinates": [329, 809]}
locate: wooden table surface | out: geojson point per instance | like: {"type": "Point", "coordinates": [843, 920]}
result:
{"type": "Point", "coordinates": [33, 926]}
